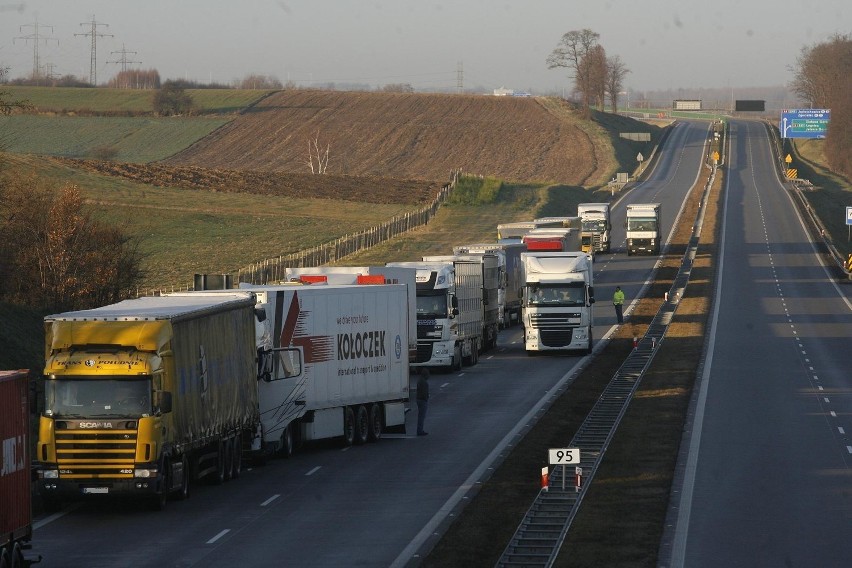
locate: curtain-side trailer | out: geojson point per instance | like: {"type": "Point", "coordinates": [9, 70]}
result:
{"type": "Point", "coordinates": [143, 395]}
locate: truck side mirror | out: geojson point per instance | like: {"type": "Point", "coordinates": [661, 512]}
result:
{"type": "Point", "coordinates": [454, 302]}
{"type": "Point", "coordinates": [591, 295]}
{"type": "Point", "coordinates": [164, 402]}
{"type": "Point", "coordinates": [455, 311]}
{"type": "Point", "coordinates": [260, 314]}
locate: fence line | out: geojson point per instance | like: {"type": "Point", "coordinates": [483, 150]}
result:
{"type": "Point", "coordinates": [272, 270]}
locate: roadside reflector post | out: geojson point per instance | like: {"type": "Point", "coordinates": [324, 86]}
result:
{"type": "Point", "coordinates": [578, 477]}
{"type": "Point", "coordinates": [635, 342]}
{"type": "Point", "coordinates": [653, 343]}
{"type": "Point", "coordinates": [666, 297]}
{"type": "Point", "coordinates": [544, 479]}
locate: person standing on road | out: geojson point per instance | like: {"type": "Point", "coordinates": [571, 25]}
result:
{"type": "Point", "coordinates": [618, 302]}
{"type": "Point", "coordinates": [422, 400]}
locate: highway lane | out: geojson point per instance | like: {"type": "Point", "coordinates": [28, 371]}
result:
{"type": "Point", "coordinates": [767, 477]}
{"type": "Point", "coordinates": [378, 504]}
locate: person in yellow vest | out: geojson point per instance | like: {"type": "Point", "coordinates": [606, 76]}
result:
{"type": "Point", "coordinates": [618, 302]}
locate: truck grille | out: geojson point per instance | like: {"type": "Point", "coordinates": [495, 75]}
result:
{"type": "Point", "coordinates": [556, 330]}
{"type": "Point", "coordinates": [424, 352]}
{"type": "Point", "coordinates": [96, 453]}
{"type": "Point", "coordinates": [556, 338]}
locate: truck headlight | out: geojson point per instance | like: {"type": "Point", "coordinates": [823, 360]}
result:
{"type": "Point", "coordinates": [143, 472]}
{"type": "Point", "coordinates": [48, 473]}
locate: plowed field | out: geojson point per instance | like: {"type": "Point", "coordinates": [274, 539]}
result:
{"type": "Point", "coordinates": [401, 136]}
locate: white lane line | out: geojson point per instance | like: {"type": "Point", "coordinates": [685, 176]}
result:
{"type": "Point", "coordinates": [841, 430]}
{"type": "Point", "coordinates": [849, 449]}
{"type": "Point", "coordinates": [445, 385]}
{"type": "Point", "coordinates": [313, 471]}
{"type": "Point", "coordinates": [38, 524]}
{"type": "Point", "coordinates": [833, 414]}
{"type": "Point", "coordinates": [816, 378]}
{"type": "Point", "coordinates": [270, 500]}
{"type": "Point", "coordinates": [218, 536]}
{"type": "Point", "coordinates": [819, 387]}
{"type": "Point", "coordinates": [490, 357]}
{"type": "Point", "coordinates": [825, 398]}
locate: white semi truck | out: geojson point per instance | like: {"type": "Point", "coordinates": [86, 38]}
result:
{"type": "Point", "coordinates": [511, 276]}
{"type": "Point", "coordinates": [332, 362]}
{"type": "Point", "coordinates": [644, 228]}
{"type": "Point", "coordinates": [557, 301]}
{"type": "Point", "coordinates": [449, 312]}
{"type": "Point", "coordinates": [596, 226]}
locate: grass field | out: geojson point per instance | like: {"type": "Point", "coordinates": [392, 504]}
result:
{"type": "Point", "coordinates": [101, 100]}
{"type": "Point", "coordinates": [136, 139]}
{"type": "Point", "coordinates": [184, 231]}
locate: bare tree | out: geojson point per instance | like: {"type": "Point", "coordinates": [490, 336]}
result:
{"type": "Point", "coordinates": [615, 72]}
{"type": "Point", "coordinates": [6, 105]}
{"type": "Point", "coordinates": [569, 54]}
{"type": "Point", "coordinates": [315, 155]}
{"type": "Point", "coordinates": [823, 78]}
{"type": "Point", "coordinates": [61, 257]}
{"type": "Point", "coordinates": [595, 63]}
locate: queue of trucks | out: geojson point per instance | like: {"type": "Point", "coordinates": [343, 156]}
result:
{"type": "Point", "coordinates": [144, 396]}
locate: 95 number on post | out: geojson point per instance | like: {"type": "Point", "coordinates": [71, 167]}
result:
{"type": "Point", "coordinates": [564, 456]}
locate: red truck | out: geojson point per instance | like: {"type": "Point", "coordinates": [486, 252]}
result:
{"type": "Point", "coordinates": [16, 520]}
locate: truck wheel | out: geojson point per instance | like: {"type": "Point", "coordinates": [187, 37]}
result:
{"type": "Point", "coordinates": [220, 475]}
{"type": "Point", "coordinates": [183, 492]}
{"type": "Point", "coordinates": [457, 359]}
{"type": "Point", "coordinates": [589, 348]}
{"type": "Point", "coordinates": [348, 427]}
{"type": "Point", "coordinates": [158, 500]}
{"type": "Point", "coordinates": [17, 558]}
{"type": "Point", "coordinates": [287, 445]}
{"type": "Point", "coordinates": [375, 422]}
{"type": "Point", "coordinates": [4, 558]}
{"type": "Point", "coordinates": [362, 425]}
{"type": "Point", "coordinates": [236, 456]}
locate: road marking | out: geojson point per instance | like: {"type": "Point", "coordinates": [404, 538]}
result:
{"type": "Point", "coordinates": [270, 500]}
{"type": "Point", "coordinates": [54, 516]}
{"type": "Point", "coordinates": [490, 357]}
{"type": "Point", "coordinates": [218, 536]}
{"type": "Point", "coordinates": [825, 398]}
{"type": "Point", "coordinates": [313, 471]}
{"type": "Point", "coordinates": [833, 414]}
{"type": "Point", "coordinates": [841, 430]}
{"type": "Point", "coordinates": [819, 387]}
{"type": "Point", "coordinates": [816, 378]}
{"type": "Point", "coordinates": [445, 385]}
{"type": "Point", "coordinates": [849, 449]}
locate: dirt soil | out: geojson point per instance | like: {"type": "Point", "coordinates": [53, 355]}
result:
{"type": "Point", "coordinates": [336, 187]}
{"type": "Point", "coordinates": [396, 135]}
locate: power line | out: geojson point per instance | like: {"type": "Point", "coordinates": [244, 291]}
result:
{"type": "Point", "coordinates": [124, 62]}
{"type": "Point", "coordinates": [93, 74]}
{"type": "Point", "coordinates": [36, 37]}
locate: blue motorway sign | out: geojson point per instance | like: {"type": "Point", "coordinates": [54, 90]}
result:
{"type": "Point", "coordinates": [804, 123]}
{"type": "Point", "coordinates": [849, 215]}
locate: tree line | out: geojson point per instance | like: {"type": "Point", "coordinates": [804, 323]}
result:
{"type": "Point", "coordinates": [823, 78]}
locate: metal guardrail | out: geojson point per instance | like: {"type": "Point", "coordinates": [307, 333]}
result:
{"type": "Point", "coordinates": [540, 535]}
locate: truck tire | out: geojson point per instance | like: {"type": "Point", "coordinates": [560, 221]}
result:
{"type": "Point", "coordinates": [4, 558]}
{"type": "Point", "coordinates": [183, 492]}
{"type": "Point", "coordinates": [236, 456]}
{"type": "Point", "coordinates": [348, 427]}
{"type": "Point", "coordinates": [220, 475]}
{"type": "Point", "coordinates": [158, 500]}
{"type": "Point", "coordinates": [17, 557]}
{"type": "Point", "coordinates": [375, 422]}
{"type": "Point", "coordinates": [362, 425]}
{"type": "Point", "coordinates": [288, 445]}
{"type": "Point", "coordinates": [589, 348]}
{"type": "Point", "coordinates": [457, 359]}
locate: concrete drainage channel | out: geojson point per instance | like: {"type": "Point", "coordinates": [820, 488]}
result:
{"type": "Point", "coordinates": [541, 533]}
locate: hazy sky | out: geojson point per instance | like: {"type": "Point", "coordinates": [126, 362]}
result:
{"type": "Point", "coordinates": [666, 44]}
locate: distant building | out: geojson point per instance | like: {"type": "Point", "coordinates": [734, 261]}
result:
{"type": "Point", "coordinates": [503, 92]}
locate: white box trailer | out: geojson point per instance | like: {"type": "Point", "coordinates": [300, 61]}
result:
{"type": "Point", "coordinates": [350, 275]}
{"type": "Point", "coordinates": [337, 365]}
{"type": "Point", "coordinates": [511, 274]}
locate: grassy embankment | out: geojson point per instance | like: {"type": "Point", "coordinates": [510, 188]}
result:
{"type": "Point", "coordinates": [832, 194]}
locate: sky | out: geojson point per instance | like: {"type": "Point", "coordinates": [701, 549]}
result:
{"type": "Point", "coordinates": [429, 45]}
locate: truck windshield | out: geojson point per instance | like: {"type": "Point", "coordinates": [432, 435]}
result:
{"type": "Point", "coordinates": [559, 295]}
{"type": "Point", "coordinates": [594, 225]}
{"type": "Point", "coordinates": [641, 224]}
{"type": "Point", "coordinates": [432, 306]}
{"type": "Point", "coordinates": [95, 397]}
